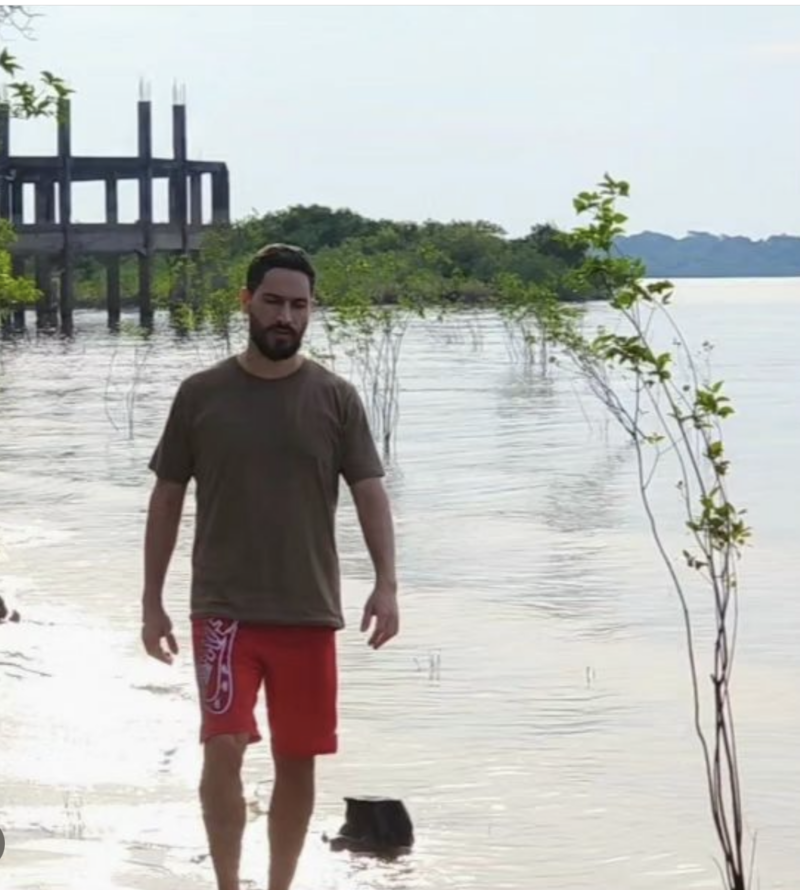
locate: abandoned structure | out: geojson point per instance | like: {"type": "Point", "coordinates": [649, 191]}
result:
{"type": "Point", "coordinates": [48, 247]}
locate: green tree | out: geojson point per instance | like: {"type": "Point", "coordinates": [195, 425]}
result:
{"type": "Point", "coordinates": [313, 227]}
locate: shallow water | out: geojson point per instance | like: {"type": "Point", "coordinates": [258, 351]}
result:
{"type": "Point", "coordinates": [535, 714]}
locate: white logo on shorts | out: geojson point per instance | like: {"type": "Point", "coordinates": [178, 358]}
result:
{"type": "Point", "coordinates": [214, 668]}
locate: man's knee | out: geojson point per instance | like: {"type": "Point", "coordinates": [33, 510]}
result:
{"type": "Point", "coordinates": [296, 771]}
{"type": "Point", "coordinates": [222, 759]}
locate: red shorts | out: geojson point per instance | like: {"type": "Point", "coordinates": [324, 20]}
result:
{"type": "Point", "coordinates": [297, 666]}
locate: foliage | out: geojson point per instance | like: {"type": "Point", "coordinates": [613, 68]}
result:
{"type": "Point", "coordinates": [14, 291]}
{"type": "Point", "coordinates": [535, 318]}
{"type": "Point", "coordinates": [375, 276]}
{"type": "Point", "coordinates": [687, 416]}
{"type": "Point", "coordinates": [313, 227]}
{"type": "Point", "coordinates": [461, 260]}
{"type": "Point", "coordinates": [201, 290]}
{"type": "Point", "coordinates": [27, 99]}
{"type": "Point", "coordinates": [24, 99]}
{"type": "Point", "coordinates": [368, 302]}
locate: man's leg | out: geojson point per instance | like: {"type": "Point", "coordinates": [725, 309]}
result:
{"type": "Point", "coordinates": [229, 676]}
{"type": "Point", "coordinates": [290, 812]}
{"type": "Point", "coordinates": [302, 701]}
{"type": "Point", "coordinates": [223, 804]}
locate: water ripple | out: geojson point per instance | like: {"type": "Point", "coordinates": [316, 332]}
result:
{"type": "Point", "coordinates": [534, 715]}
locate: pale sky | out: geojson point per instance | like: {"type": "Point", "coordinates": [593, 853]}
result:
{"type": "Point", "coordinates": [499, 113]}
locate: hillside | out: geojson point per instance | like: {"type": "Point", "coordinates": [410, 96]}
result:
{"type": "Point", "coordinates": [702, 255]}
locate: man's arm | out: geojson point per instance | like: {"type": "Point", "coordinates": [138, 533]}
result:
{"type": "Point", "coordinates": [161, 535]}
{"type": "Point", "coordinates": [375, 517]}
{"type": "Point", "coordinates": [173, 463]}
{"type": "Point", "coordinates": [363, 470]}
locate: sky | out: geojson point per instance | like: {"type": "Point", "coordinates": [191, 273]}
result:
{"type": "Point", "coordinates": [447, 112]}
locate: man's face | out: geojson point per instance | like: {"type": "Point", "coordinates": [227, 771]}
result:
{"type": "Point", "coordinates": [279, 312]}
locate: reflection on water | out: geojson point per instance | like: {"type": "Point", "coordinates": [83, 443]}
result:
{"type": "Point", "coordinates": [535, 714]}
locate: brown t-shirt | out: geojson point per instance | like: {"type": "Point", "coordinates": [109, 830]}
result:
{"type": "Point", "coordinates": [266, 457]}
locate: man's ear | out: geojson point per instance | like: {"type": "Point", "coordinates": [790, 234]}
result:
{"type": "Point", "coordinates": [245, 298]}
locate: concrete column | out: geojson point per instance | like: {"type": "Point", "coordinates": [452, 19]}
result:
{"type": "Point", "coordinates": [146, 211]}
{"type": "Point", "coordinates": [65, 215]}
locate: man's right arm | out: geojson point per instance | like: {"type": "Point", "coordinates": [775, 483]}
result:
{"type": "Point", "coordinates": [161, 535]}
{"type": "Point", "coordinates": [173, 465]}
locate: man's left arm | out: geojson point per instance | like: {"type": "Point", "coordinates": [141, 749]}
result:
{"type": "Point", "coordinates": [375, 517]}
{"type": "Point", "coordinates": [363, 471]}
{"type": "Point", "coordinates": [377, 526]}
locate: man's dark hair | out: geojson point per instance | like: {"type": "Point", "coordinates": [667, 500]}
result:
{"type": "Point", "coordinates": [279, 256]}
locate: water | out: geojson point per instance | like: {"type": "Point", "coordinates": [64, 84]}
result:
{"type": "Point", "coordinates": [535, 714]}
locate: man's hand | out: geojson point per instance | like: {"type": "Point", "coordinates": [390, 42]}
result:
{"type": "Point", "coordinates": [382, 606]}
{"type": "Point", "coordinates": [156, 627]}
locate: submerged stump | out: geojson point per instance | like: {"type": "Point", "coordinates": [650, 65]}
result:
{"type": "Point", "coordinates": [7, 614]}
{"type": "Point", "coordinates": [375, 825]}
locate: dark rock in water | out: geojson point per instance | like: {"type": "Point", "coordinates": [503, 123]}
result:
{"type": "Point", "coordinates": [375, 825]}
{"type": "Point", "coordinates": [6, 614]}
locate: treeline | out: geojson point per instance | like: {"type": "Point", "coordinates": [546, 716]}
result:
{"type": "Point", "coordinates": [703, 255]}
{"type": "Point", "coordinates": [456, 261]}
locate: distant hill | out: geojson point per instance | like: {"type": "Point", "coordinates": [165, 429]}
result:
{"type": "Point", "coordinates": [702, 255]}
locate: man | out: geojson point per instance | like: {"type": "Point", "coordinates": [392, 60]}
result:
{"type": "Point", "coordinates": [266, 436]}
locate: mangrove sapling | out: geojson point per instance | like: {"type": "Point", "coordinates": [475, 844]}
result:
{"type": "Point", "coordinates": [679, 416]}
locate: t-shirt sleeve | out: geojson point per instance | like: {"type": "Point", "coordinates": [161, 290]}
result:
{"type": "Point", "coordinates": [360, 458]}
{"type": "Point", "coordinates": [173, 458]}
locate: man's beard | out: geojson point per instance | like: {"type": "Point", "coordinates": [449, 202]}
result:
{"type": "Point", "coordinates": [276, 342]}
